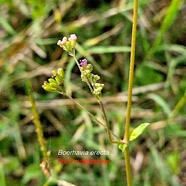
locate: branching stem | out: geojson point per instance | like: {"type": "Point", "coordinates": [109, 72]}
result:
{"type": "Point", "coordinates": [107, 125]}
{"type": "Point", "coordinates": [119, 141]}
{"type": "Point", "coordinates": [109, 133]}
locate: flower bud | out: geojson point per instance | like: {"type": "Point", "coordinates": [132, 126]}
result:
{"type": "Point", "coordinates": [60, 72]}
{"type": "Point", "coordinates": [68, 45]}
{"type": "Point", "coordinates": [89, 67]}
{"type": "Point", "coordinates": [51, 80]}
{"type": "Point", "coordinates": [83, 63]}
{"type": "Point", "coordinates": [48, 87]}
{"type": "Point", "coordinates": [55, 83]}
{"type": "Point", "coordinates": [95, 77]}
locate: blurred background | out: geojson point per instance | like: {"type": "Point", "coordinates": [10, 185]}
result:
{"type": "Point", "coordinates": [29, 31]}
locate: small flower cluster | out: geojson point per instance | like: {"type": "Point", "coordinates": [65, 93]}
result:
{"type": "Point", "coordinates": [90, 78]}
{"type": "Point", "coordinates": [68, 44]}
{"type": "Point", "coordinates": [55, 83]}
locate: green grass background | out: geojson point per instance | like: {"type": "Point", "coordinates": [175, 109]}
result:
{"type": "Point", "coordinates": [29, 31]}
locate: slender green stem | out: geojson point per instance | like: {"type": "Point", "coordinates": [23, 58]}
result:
{"type": "Point", "coordinates": [76, 62]}
{"type": "Point", "coordinates": [107, 125]}
{"type": "Point", "coordinates": [129, 104]}
{"type": "Point", "coordinates": [96, 120]}
{"type": "Point", "coordinates": [128, 166]}
{"type": "Point", "coordinates": [131, 71]}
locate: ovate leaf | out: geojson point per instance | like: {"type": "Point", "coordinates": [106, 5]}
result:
{"type": "Point", "coordinates": [134, 134]}
{"type": "Point", "coordinates": [138, 131]}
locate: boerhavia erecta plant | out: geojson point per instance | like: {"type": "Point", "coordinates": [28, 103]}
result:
{"type": "Point", "coordinates": [56, 84]}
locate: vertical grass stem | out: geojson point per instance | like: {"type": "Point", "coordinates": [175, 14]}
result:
{"type": "Point", "coordinates": [37, 123]}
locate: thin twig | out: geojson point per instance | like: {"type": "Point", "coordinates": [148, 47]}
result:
{"type": "Point", "coordinates": [91, 89]}
{"type": "Point", "coordinates": [107, 126]}
{"type": "Point", "coordinates": [96, 120]}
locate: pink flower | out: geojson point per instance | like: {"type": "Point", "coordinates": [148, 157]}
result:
{"type": "Point", "coordinates": [68, 44]}
{"type": "Point", "coordinates": [83, 62]}
{"type": "Point", "coordinates": [72, 37]}
{"type": "Point", "coordinates": [62, 42]}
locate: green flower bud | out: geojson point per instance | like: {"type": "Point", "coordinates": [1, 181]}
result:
{"type": "Point", "coordinates": [83, 77]}
{"type": "Point", "coordinates": [51, 81]}
{"type": "Point", "coordinates": [98, 88]}
{"type": "Point", "coordinates": [48, 87]}
{"type": "Point", "coordinates": [86, 73]}
{"type": "Point", "coordinates": [96, 92]}
{"type": "Point", "coordinates": [60, 72]}
{"type": "Point", "coordinates": [58, 79]}
{"type": "Point", "coordinates": [54, 73]}
{"type": "Point", "coordinates": [89, 67]}
{"type": "Point", "coordinates": [99, 85]}
{"type": "Point", "coordinates": [54, 84]}
{"type": "Point", "coordinates": [95, 77]}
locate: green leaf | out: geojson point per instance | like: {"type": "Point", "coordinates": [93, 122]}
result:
{"type": "Point", "coordinates": [138, 131]}
{"type": "Point", "coordinates": [122, 147]}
